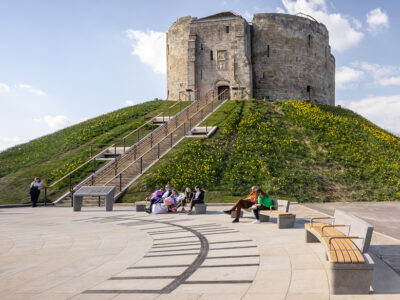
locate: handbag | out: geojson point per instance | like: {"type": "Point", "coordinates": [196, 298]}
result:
{"type": "Point", "coordinates": [159, 208]}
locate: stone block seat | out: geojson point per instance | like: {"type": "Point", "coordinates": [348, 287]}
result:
{"type": "Point", "coordinates": [346, 243]}
{"type": "Point", "coordinates": [280, 211]}
{"type": "Point", "coordinates": [200, 208]}
{"type": "Point", "coordinates": [140, 206]}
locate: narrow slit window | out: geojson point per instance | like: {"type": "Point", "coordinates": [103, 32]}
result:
{"type": "Point", "coordinates": [267, 50]}
{"type": "Point", "coordinates": [227, 29]}
{"type": "Point", "coordinates": [309, 40]}
{"type": "Point", "coordinates": [201, 46]}
{"type": "Point", "coordinates": [211, 55]}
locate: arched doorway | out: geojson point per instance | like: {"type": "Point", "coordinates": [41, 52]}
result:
{"type": "Point", "coordinates": [223, 92]}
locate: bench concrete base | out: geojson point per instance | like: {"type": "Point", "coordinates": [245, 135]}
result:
{"type": "Point", "coordinates": [264, 218]}
{"type": "Point", "coordinates": [233, 214]}
{"type": "Point", "coordinates": [200, 208]}
{"type": "Point", "coordinates": [351, 278]}
{"type": "Point", "coordinates": [286, 221]}
{"type": "Point", "coordinates": [140, 206]}
{"type": "Point", "coordinates": [310, 237]}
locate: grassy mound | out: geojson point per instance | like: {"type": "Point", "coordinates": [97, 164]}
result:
{"type": "Point", "coordinates": [292, 149]}
{"type": "Point", "coordinates": [52, 156]}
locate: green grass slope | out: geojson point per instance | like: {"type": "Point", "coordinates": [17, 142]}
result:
{"type": "Point", "coordinates": [52, 156]}
{"type": "Point", "coordinates": [292, 149]}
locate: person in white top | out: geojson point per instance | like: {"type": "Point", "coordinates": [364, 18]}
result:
{"type": "Point", "coordinates": [35, 188]}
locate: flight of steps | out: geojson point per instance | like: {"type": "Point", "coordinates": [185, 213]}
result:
{"type": "Point", "coordinates": [124, 169]}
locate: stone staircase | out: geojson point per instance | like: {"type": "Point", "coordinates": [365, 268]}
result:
{"type": "Point", "coordinates": [123, 170]}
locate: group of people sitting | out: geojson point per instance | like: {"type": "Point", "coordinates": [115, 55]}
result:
{"type": "Point", "coordinates": [169, 200]}
{"type": "Point", "coordinates": [256, 200]}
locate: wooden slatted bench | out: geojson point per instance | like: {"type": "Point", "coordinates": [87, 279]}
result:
{"type": "Point", "coordinates": [346, 244]}
{"type": "Point", "coordinates": [280, 211]}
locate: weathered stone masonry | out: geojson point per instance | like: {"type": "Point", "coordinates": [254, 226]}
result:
{"type": "Point", "coordinates": [278, 56]}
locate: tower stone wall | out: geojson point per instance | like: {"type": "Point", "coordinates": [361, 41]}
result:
{"type": "Point", "coordinates": [277, 56]}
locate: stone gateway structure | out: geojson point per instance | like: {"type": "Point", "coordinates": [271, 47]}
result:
{"type": "Point", "coordinates": [277, 56]}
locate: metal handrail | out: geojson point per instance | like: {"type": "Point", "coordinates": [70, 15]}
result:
{"type": "Point", "coordinates": [77, 168]}
{"type": "Point", "coordinates": [156, 144]}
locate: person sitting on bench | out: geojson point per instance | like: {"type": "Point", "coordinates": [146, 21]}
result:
{"type": "Point", "coordinates": [187, 198]}
{"type": "Point", "coordinates": [154, 200]}
{"type": "Point", "coordinates": [198, 198]}
{"type": "Point", "coordinates": [247, 202]}
{"type": "Point", "coordinates": [264, 203]}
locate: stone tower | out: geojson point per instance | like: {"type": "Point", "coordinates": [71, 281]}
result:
{"type": "Point", "coordinates": [278, 56]}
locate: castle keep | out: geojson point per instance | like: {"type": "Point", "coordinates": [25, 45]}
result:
{"type": "Point", "coordinates": [277, 56]}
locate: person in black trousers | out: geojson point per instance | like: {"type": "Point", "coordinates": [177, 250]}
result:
{"type": "Point", "coordinates": [197, 198]}
{"type": "Point", "coordinates": [34, 192]}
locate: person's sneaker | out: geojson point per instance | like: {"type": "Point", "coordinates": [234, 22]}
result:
{"type": "Point", "coordinates": [228, 212]}
{"type": "Point", "coordinates": [256, 222]}
{"type": "Point", "coordinates": [148, 211]}
{"type": "Point", "coordinates": [182, 210]}
{"type": "Point", "coordinates": [189, 212]}
{"type": "Point", "coordinates": [235, 220]}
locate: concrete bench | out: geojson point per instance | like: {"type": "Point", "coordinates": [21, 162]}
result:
{"type": "Point", "coordinates": [280, 211]}
{"type": "Point", "coordinates": [200, 208]}
{"type": "Point", "coordinates": [346, 243]}
{"type": "Point", "coordinates": [140, 206]}
{"type": "Point", "coordinates": [107, 191]}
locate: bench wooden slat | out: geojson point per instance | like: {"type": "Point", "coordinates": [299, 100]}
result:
{"type": "Point", "coordinates": [341, 250]}
{"type": "Point", "coordinates": [275, 212]}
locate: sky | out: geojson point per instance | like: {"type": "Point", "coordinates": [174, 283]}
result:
{"type": "Point", "coordinates": [64, 61]}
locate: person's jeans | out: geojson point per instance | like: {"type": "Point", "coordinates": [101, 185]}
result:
{"type": "Point", "coordinates": [257, 211]}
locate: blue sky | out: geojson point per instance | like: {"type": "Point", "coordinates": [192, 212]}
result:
{"type": "Point", "coordinates": [62, 62]}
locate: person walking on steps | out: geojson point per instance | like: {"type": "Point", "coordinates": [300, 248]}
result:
{"type": "Point", "coordinates": [35, 188]}
{"type": "Point", "coordinates": [264, 203]}
{"type": "Point", "coordinates": [245, 203]}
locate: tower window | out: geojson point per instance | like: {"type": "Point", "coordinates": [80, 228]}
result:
{"type": "Point", "coordinates": [211, 55]}
{"type": "Point", "coordinates": [227, 29]}
{"type": "Point", "coordinates": [308, 88]}
{"type": "Point", "coordinates": [201, 46]}
{"type": "Point", "coordinates": [267, 50]}
{"type": "Point", "coordinates": [309, 40]}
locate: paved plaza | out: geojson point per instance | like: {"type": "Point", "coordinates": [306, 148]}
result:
{"type": "Point", "coordinates": [55, 253]}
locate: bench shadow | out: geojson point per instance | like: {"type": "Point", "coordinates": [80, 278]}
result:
{"type": "Point", "coordinates": [386, 278]}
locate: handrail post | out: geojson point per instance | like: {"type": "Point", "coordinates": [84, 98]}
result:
{"type": "Point", "coordinates": [190, 124]}
{"type": "Point", "coordinates": [184, 129]}
{"type": "Point", "coordinates": [92, 180]}
{"type": "Point", "coordinates": [70, 190]}
{"type": "Point", "coordinates": [202, 114]}
{"type": "Point", "coordinates": [151, 140]}
{"type": "Point", "coordinates": [45, 196]}
{"type": "Point", "coordinates": [120, 182]}
{"type": "Point", "coordinates": [180, 105]}
{"type": "Point", "coordinates": [141, 165]}
{"type": "Point", "coordinates": [134, 153]}
{"type": "Point", "coordinates": [212, 106]}
{"type": "Point", "coordinates": [158, 151]}
{"type": "Point", "coordinates": [187, 114]}
{"type": "Point", "coordinates": [163, 117]}
{"type": "Point", "coordinates": [99, 201]}
{"type": "Point", "coordinates": [124, 144]}
{"type": "Point", "coordinates": [94, 165]}
{"type": "Point", "coordinates": [138, 134]}
{"type": "Point", "coordinates": [91, 150]}
{"type": "Point", "coordinates": [176, 122]}
{"type": "Point", "coordinates": [171, 139]}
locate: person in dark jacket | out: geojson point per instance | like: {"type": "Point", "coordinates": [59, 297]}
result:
{"type": "Point", "coordinates": [198, 197]}
{"type": "Point", "coordinates": [34, 191]}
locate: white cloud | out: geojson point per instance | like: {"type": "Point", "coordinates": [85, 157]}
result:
{"type": "Point", "coordinates": [4, 88]}
{"type": "Point", "coordinates": [54, 122]}
{"type": "Point", "coordinates": [129, 103]}
{"type": "Point", "coordinates": [382, 110]}
{"type": "Point", "coordinates": [343, 31]}
{"type": "Point", "coordinates": [346, 76]}
{"type": "Point", "coordinates": [30, 89]}
{"type": "Point", "coordinates": [390, 81]}
{"type": "Point", "coordinates": [247, 15]}
{"type": "Point", "coordinates": [149, 46]}
{"type": "Point", "coordinates": [380, 74]}
{"type": "Point", "coordinates": [7, 142]}
{"type": "Point", "coordinates": [377, 20]}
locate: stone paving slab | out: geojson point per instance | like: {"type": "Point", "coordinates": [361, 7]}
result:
{"type": "Point", "coordinates": [53, 253]}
